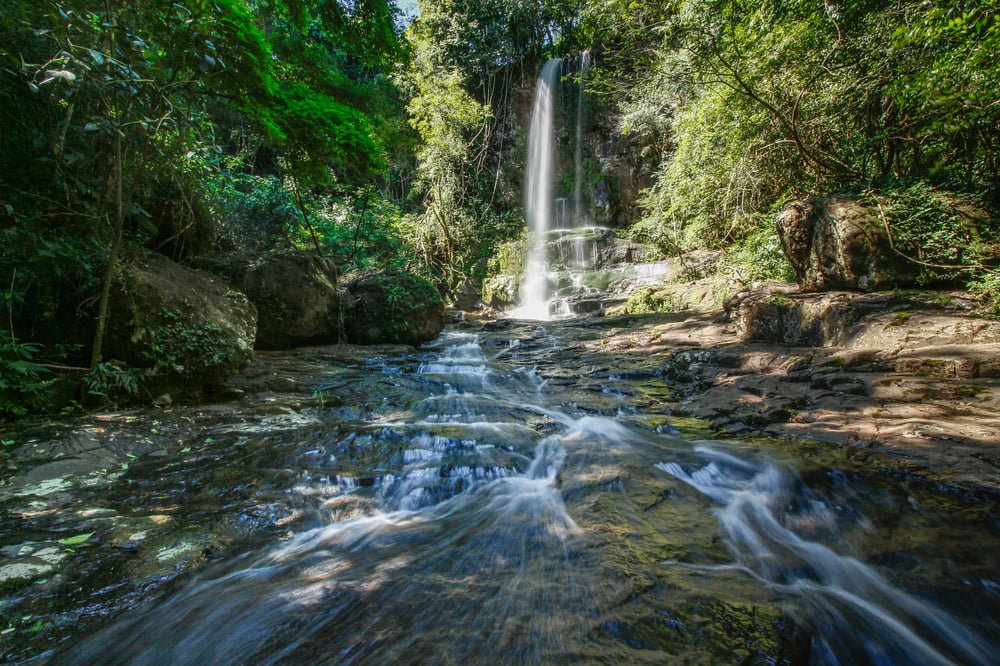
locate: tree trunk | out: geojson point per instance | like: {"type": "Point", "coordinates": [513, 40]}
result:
{"type": "Point", "coordinates": [104, 309]}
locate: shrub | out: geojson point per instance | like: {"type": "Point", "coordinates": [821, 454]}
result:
{"type": "Point", "coordinates": [946, 234]}
{"type": "Point", "coordinates": [254, 211]}
{"type": "Point", "coordinates": [986, 287]}
{"type": "Point", "coordinates": [645, 300]}
{"type": "Point", "coordinates": [190, 350]}
{"type": "Point", "coordinates": [757, 257]}
{"type": "Point", "coordinates": [22, 380]}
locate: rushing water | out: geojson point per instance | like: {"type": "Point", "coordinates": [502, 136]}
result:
{"type": "Point", "coordinates": [538, 202]}
{"type": "Point", "coordinates": [519, 496]}
{"type": "Point", "coordinates": [580, 214]}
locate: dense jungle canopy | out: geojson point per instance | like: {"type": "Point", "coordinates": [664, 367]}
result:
{"type": "Point", "coordinates": [342, 127]}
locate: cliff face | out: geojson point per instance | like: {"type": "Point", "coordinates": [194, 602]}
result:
{"type": "Point", "coordinates": [600, 171]}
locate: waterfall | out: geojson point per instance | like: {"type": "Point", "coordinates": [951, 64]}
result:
{"type": "Point", "coordinates": [538, 202]}
{"type": "Point", "coordinates": [579, 210]}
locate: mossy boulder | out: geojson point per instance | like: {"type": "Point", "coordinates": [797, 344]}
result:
{"type": "Point", "coordinates": [840, 243]}
{"type": "Point", "coordinates": [393, 306]}
{"type": "Point", "coordinates": [895, 238]}
{"type": "Point", "coordinates": [180, 323]}
{"type": "Point", "coordinates": [295, 293]}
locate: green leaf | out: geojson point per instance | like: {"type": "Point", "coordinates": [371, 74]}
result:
{"type": "Point", "coordinates": [76, 540]}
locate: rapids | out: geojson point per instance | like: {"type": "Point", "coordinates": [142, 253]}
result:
{"type": "Point", "coordinates": [515, 495]}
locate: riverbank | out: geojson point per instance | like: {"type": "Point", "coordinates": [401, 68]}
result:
{"type": "Point", "coordinates": [915, 377]}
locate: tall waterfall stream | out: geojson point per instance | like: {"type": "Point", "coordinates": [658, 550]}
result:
{"type": "Point", "coordinates": [516, 495]}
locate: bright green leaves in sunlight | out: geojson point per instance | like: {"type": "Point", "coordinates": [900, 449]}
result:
{"type": "Point", "coordinates": [122, 120]}
{"type": "Point", "coordinates": [747, 104]}
{"type": "Point", "coordinates": [956, 91]}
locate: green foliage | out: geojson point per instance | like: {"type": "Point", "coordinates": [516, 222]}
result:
{"type": "Point", "coordinates": [22, 380]}
{"type": "Point", "coordinates": [120, 119]}
{"type": "Point", "coordinates": [76, 540]}
{"type": "Point", "coordinates": [757, 256]}
{"type": "Point", "coordinates": [184, 349]}
{"type": "Point", "coordinates": [746, 104]}
{"type": "Point", "coordinates": [254, 212]}
{"type": "Point", "coordinates": [646, 300]}
{"type": "Point", "coordinates": [488, 35]}
{"type": "Point", "coordinates": [711, 183]}
{"type": "Point", "coordinates": [948, 236]}
{"type": "Point", "coordinates": [986, 288]}
{"type": "Point", "coordinates": [319, 132]}
{"type": "Point", "coordinates": [951, 98]}
{"type": "Point", "coordinates": [109, 381]}
{"type": "Point", "coordinates": [508, 259]}
{"type": "Point", "coordinates": [361, 230]}
{"type": "Point", "coordinates": [447, 118]}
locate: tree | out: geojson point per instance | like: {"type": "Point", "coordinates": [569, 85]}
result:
{"type": "Point", "coordinates": [115, 108]}
{"type": "Point", "coordinates": [750, 103]}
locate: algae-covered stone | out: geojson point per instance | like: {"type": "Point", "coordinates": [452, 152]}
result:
{"type": "Point", "coordinates": [296, 294]}
{"type": "Point", "coordinates": [393, 306]}
{"type": "Point", "coordinates": [180, 322]}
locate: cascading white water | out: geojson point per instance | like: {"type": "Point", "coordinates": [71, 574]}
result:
{"type": "Point", "coordinates": [856, 614]}
{"type": "Point", "coordinates": [570, 219]}
{"type": "Point", "coordinates": [579, 209]}
{"type": "Point", "coordinates": [475, 518]}
{"type": "Point", "coordinates": [538, 202]}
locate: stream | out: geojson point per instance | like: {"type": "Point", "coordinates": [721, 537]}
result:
{"type": "Point", "coordinates": [510, 493]}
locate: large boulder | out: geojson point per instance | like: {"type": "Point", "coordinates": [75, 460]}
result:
{"type": "Point", "coordinates": [297, 298]}
{"type": "Point", "coordinates": [183, 324]}
{"type": "Point", "coordinates": [840, 243]}
{"type": "Point", "coordinates": [393, 306]}
{"type": "Point", "coordinates": [295, 293]}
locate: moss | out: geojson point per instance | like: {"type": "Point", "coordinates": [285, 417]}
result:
{"type": "Point", "coordinates": [647, 299]}
{"type": "Point", "coordinates": [900, 318]}
{"type": "Point", "coordinates": [781, 301]}
{"type": "Point", "coordinates": [933, 368]}
{"type": "Point", "coordinates": [394, 306]}
{"type": "Point", "coordinates": [599, 280]}
{"type": "Point", "coordinates": [508, 260]}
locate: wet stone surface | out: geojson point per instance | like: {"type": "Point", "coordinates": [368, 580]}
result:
{"type": "Point", "coordinates": [512, 493]}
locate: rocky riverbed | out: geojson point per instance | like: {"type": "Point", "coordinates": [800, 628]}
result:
{"type": "Point", "coordinates": [588, 439]}
{"type": "Point", "coordinates": [911, 374]}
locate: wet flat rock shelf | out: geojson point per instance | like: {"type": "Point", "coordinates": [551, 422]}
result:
{"type": "Point", "coordinates": [514, 492]}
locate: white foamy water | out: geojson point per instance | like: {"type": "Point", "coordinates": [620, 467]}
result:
{"type": "Point", "coordinates": [763, 516]}
{"type": "Point", "coordinates": [508, 521]}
